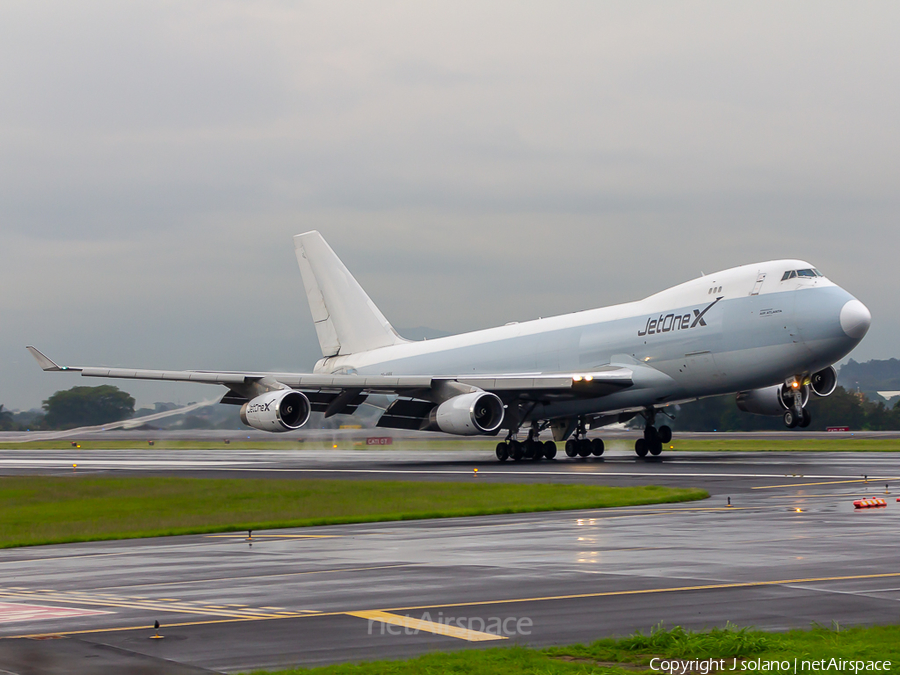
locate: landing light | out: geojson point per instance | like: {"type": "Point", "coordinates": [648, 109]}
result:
{"type": "Point", "coordinates": [576, 378]}
{"type": "Point", "coordinates": [588, 378]}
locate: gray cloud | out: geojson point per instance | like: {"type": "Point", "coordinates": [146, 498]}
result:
{"type": "Point", "coordinates": [473, 163]}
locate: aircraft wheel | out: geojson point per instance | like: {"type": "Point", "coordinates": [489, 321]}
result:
{"type": "Point", "coordinates": [584, 447]}
{"type": "Point", "coordinates": [571, 448]}
{"type": "Point", "coordinates": [650, 434]}
{"type": "Point", "coordinates": [806, 419]}
{"type": "Point", "coordinates": [597, 447]}
{"type": "Point", "coordinates": [527, 450]}
{"type": "Point", "coordinates": [537, 450]}
{"type": "Point", "coordinates": [502, 452]}
{"type": "Point", "coordinates": [665, 434]}
{"type": "Point", "coordinates": [640, 447]}
{"type": "Point", "coordinates": [515, 450]}
{"type": "Point", "coordinates": [791, 420]}
{"type": "Point", "coordinates": [655, 448]}
{"type": "Point", "coordinates": [549, 449]}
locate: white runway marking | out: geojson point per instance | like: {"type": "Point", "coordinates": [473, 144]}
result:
{"type": "Point", "coordinates": [12, 612]}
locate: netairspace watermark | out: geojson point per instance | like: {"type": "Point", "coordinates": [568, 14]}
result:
{"type": "Point", "coordinates": [445, 625]}
{"type": "Point", "coordinates": [796, 666]}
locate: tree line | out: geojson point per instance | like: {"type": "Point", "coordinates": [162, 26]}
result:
{"type": "Point", "coordinates": [75, 407]}
{"type": "Point", "coordinates": [842, 408]}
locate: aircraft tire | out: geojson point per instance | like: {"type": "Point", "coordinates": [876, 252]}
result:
{"type": "Point", "coordinates": [571, 448]}
{"type": "Point", "coordinates": [502, 452]}
{"type": "Point", "coordinates": [584, 447]}
{"type": "Point", "coordinates": [650, 434]}
{"type": "Point", "coordinates": [806, 420]}
{"type": "Point", "coordinates": [549, 449]}
{"type": "Point", "coordinates": [640, 447]}
{"type": "Point", "coordinates": [665, 434]}
{"type": "Point", "coordinates": [515, 450]}
{"type": "Point", "coordinates": [655, 448]}
{"type": "Point", "coordinates": [791, 420]}
{"type": "Point", "coordinates": [527, 450]}
{"type": "Point", "coordinates": [537, 451]}
{"type": "Point", "coordinates": [597, 447]}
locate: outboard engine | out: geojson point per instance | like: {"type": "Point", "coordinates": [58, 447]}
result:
{"type": "Point", "coordinates": [773, 401]}
{"type": "Point", "coordinates": [281, 410]}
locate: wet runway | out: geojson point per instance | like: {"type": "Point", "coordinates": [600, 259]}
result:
{"type": "Point", "coordinates": [320, 595]}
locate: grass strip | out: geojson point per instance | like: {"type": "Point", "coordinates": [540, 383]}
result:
{"type": "Point", "coordinates": [741, 651]}
{"type": "Point", "coordinates": [799, 445]}
{"type": "Point", "coordinates": [44, 509]}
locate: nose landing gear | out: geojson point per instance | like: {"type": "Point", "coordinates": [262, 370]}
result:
{"type": "Point", "coordinates": [797, 415]}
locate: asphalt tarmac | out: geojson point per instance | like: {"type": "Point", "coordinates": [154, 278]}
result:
{"type": "Point", "coordinates": [789, 551]}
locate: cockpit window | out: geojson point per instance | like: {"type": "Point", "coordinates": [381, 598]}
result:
{"type": "Point", "coordinates": [811, 273]}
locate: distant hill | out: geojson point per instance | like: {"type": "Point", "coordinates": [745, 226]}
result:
{"type": "Point", "coordinates": [870, 377]}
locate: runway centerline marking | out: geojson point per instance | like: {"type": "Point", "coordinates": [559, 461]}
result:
{"type": "Point", "coordinates": [427, 626]}
{"type": "Point", "coordinates": [479, 603]}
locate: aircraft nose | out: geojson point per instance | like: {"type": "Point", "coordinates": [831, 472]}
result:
{"type": "Point", "coordinates": [855, 319]}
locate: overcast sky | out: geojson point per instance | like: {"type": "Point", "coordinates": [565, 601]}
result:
{"type": "Point", "coordinates": [472, 164]}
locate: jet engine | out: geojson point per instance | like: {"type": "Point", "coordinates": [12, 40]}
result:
{"type": "Point", "coordinates": [281, 410]}
{"type": "Point", "coordinates": [774, 400]}
{"type": "Point", "coordinates": [824, 382]}
{"type": "Point", "coordinates": [469, 414]}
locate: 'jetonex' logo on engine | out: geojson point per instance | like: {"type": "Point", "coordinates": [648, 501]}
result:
{"type": "Point", "coordinates": [665, 323]}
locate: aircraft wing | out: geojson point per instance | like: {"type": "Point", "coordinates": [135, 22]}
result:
{"type": "Point", "coordinates": [333, 394]}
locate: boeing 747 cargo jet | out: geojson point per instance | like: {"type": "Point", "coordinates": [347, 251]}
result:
{"type": "Point", "coordinates": [768, 333]}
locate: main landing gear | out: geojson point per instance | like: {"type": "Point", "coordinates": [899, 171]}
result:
{"type": "Point", "coordinates": [797, 415]}
{"type": "Point", "coordinates": [581, 446]}
{"type": "Point", "coordinates": [532, 448]}
{"type": "Point", "coordinates": [654, 438]}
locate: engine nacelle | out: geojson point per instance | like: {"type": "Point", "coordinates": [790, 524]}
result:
{"type": "Point", "coordinates": [824, 382]}
{"type": "Point", "coordinates": [469, 414]}
{"type": "Point", "coordinates": [282, 410]}
{"type": "Point", "coordinates": [772, 400]}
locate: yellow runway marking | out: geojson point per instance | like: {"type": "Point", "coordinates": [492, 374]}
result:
{"type": "Point", "coordinates": [427, 626]}
{"type": "Point", "coordinates": [478, 603]}
{"type": "Point", "coordinates": [874, 480]}
{"type": "Point", "coordinates": [674, 589]}
{"type": "Point", "coordinates": [262, 576]}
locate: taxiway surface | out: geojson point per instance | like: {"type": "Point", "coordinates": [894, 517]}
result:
{"type": "Point", "coordinates": [790, 550]}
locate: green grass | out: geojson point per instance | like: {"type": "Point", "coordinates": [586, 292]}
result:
{"type": "Point", "coordinates": [633, 654]}
{"type": "Point", "coordinates": [799, 445]}
{"type": "Point", "coordinates": [43, 510]}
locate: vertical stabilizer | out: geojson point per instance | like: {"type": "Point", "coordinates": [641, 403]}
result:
{"type": "Point", "coordinates": [346, 319]}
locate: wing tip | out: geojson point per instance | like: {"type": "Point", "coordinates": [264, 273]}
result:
{"type": "Point", "coordinates": [46, 363]}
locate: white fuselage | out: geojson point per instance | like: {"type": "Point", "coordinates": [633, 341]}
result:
{"type": "Point", "coordinates": [740, 329]}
